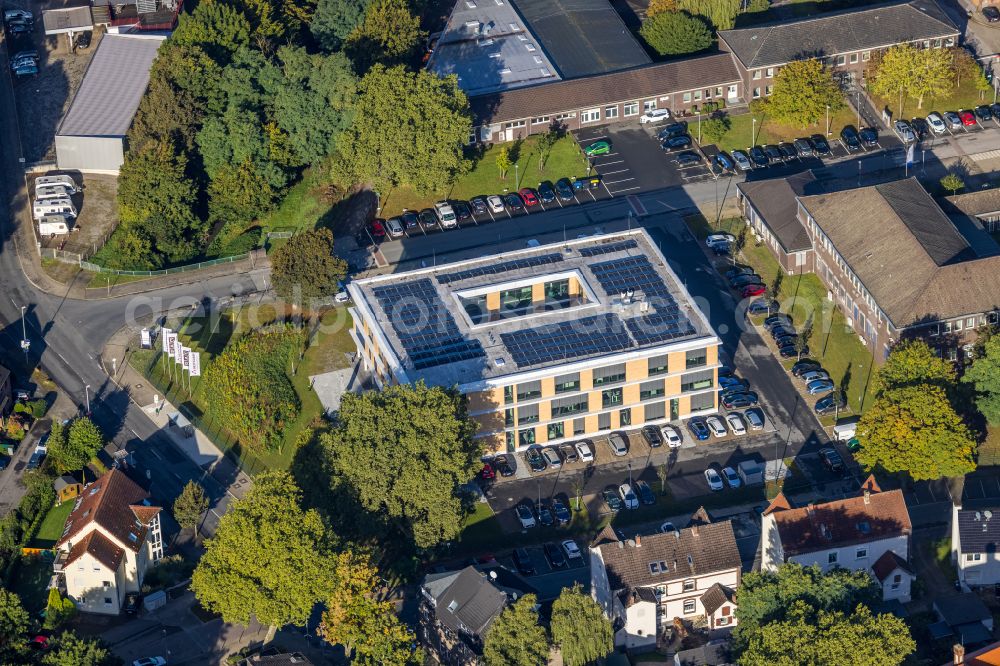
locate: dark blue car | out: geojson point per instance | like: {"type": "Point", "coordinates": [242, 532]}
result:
{"type": "Point", "coordinates": [698, 428]}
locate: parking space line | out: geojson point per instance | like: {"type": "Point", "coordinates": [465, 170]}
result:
{"type": "Point", "coordinates": [627, 189]}
{"type": "Point", "coordinates": [612, 182]}
{"type": "Point", "coordinates": [610, 194]}
{"type": "Point", "coordinates": [610, 173]}
{"type": "Point", "coordinates": [612, 162]}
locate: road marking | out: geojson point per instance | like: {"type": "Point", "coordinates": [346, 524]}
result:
{"type": "Point", "coordinates": [612, 182]}
{"type": "Point", "coordinates": [610, 173]}
{"type": "Point", "coordinates": [626, 189]}
{"type": "Point", "coordinates": [636, 205]}
{"type": "Point", "coordinates": [603, 164]}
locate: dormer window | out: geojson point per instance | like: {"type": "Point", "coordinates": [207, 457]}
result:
{"type": "Point", "coordinates": [133, 537]}
{"type": "Point", "coordinates": [654, 567]}
{"type": "Point", "coordinates": [689, 585]}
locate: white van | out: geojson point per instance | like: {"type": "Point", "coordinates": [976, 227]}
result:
{"type": "Point", "coordinates": [447, 214]}
{"type": "Point", "coordinates": [53, 225]}
{"type": "Point", "coordinates": [53, 192]}
{"type": "Point", "coordinates": [53, 207]}
{"type": "Point", "coordinates": [65, 181]}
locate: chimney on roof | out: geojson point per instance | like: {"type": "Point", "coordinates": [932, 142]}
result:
{"type": "Point", "coordinates": [694, 530]}
{"type": "Point", "coordinates": [958, 651]}
{"type": "Point", "coordinates": [868, 496]}
{"type": "Point", "coordinates": [638, 541]}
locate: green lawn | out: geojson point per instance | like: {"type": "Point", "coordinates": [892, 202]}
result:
{"type": "Point", "coordinates": [770, 131]}
{"type": "Point", "coordinates": [324, 353]}
{"type": "Point", "coordinates": [99, 280]}
{"type": "Point", "coordinates": [306, 205]}
{"type": "Point", "coordinates": [52, 527]}
{"type": "Point", "coordinates": [833, 343]}
{"type": "Point", "coordinates": [964, 96]}
{"type": "Point", "coordinates": [565, 161]}
{"type": "Point", "coordinates": [31, 581]}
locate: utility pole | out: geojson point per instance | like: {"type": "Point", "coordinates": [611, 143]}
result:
{"type": "Point", "coordinates": [858, 105]}
{"type": "Point", "coordinates": [25, 343]}
{"type": "Point", "coordinates": [753, 131]}
{"type": "Point", "coordinates": [86, 390]}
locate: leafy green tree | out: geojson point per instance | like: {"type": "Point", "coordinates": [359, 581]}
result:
{"type": "Point", "coordinates": [915, 429]}
{"type": "Point", "coordinates": [218, 28]}
{"type": "Point", "coordinates": [358, 620]}
{"type": "Point", "coordinates": [268, 558]}
{"type": "Point", "coordinates": [984, 376]}
{"type": "Point", "coordinates": [830, 638]}
{"type": "Point", "coordinates": [416, 140]}
{"type": "Point", "coordinates": [802, 91]}
{"type": "Point", "coordinates": [253, 397]}
{"type": "Point", "coordinates": [190, 504]}
{"type": "Point", "coordinates": [545, 143]}
{"type": "Point", "coordinates": [503, 161]}
{"type": "Point", "coordinates": [335, 20]}
{"type": "Point", "coordinates": [305, 266]}
{"type": "Point", "coordinates": [68, 649]}
{"type": "Point", "coordinates": [379, 437]}
{"type": "Point", "coordinates": [388, 34]}
{"type": "Point", "coordinates": [516, 638]}
{"type": "Point", "coordinates": [720, 13]}
{"type": "Point", "coordinates": [676, 33]}
{"type": "Point", "coordinates": [715, 129]}
{"type": "Point", "coordinates": [14, 623]}
{"type": "Point", "coordinates": [912, 363]}
{"type": "Point", "coordinates": [906, 70]}
{"type": "Point", "coordinates": [58, 610]}
{"type": "Point", "coordinates": [659, 6]}
{"type": "Point", "coordinates": [270, 20]}
{"type": "Point", "coordinates": [952, 182]}
{"type": "Point", "coordinates": [580, 629]}
{"type": "Point", "coordinates": [71, 450]}
{"type": "Point", "coordinates": [767, 596]}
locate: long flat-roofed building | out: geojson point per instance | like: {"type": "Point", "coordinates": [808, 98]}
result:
{"type": "Point", "coordinates": [549, 343]}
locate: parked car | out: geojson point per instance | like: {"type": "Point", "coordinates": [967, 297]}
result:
{"type": "Point", "coordinates": [560, 511]}
{"type": "Point", "coordinates": [522, 560]}
{"type": "Point", "coordinates": [804, 147]}
{"type": "Point", "coordinates": [741, 281]}
{"type": "Point", "coordinates": [786, 340]}
{"type": "Point", "coordinates": [19, 27]}
{"type": "Point", "coordinates": [428, 218]}
{"type": "Point", "coordinates": [150, 661]}
{"type": "Point", "coordinates": [754, 418]}
{"type": "Point", "coordinates": [546, 192]}
{"type": "Point", "coordinates": [781, 331]}
{"type": "Point", "coordinates": [673, 129]}
{"type": "Point", "coordinates": [571, 549]}
{"type": "Point", "coordinates": [819, 386]}
{"type": "Point", "coordinates": [554, 555]}
{"type": "Point", "coordinates": [533, 456]}
{"type": "Point", "coordinates": [983, 113]}
{"type": "Point", "coordinates": [505, 464]}
{"type": "Point", "coordinates": [585, 450]}
{"type": "Point", "coordinates": [528, 196]}
{"type": "Point", "coordinates": [762, 306]}
{"type": "Point", "coordinates": [611, 499]}
{"type": "Point", "coordinates": [618, 444]}
{"type": "Point", "coordinates": [513, 202]}
{"type": "Point", "coordinates": [729, 383]}
{"type": "Point", "coordinates": [904, 131]}
{"type": "Point", "coordinates": [525, 515]}
{"type": "Point", "coordinates": [629, 500]}
{"type": "Point", "coordinates": [813, 375]}
{"type": "Point", "coordinates": [654, 116]}
{"type": "Point", "coordinates": [724, 161]}
{"type": "Point", "coordinates": [495, 203]}
{"type": "Point", "coordinates": [395, 227]}
{"type": "Point", "coordinates": [920, 127]}
{"type": "Point", "coordinates": [446, 213]}
{"type": "Point", "coordinates": [752, 290]}
{"type": "Point", "coordinates": [968, 119]}
{"type": "Point", "coordinates": [564, 189]}
{"type": "Point", "coordinates": [739, 400]}
{"type": "Point", "coordinates": [717, 427]}
{"type": "Point", "coordinates": [652, 436]}
{"type": "Point", "coordinates": [714, 480]}
{"type": "Point", "coordinates": [736, 271]}
{"type": "Point", "coordinates": [735, 422]}
{"type": "Point", "coordinates": [598, 148]}
{"type": "Point", "coordinates": [773, 153]}
{"type": "Point", "coordinates": [869, 137]}
{"type": "Point", "coordinates": [568, 453]}
{"type": "Point", "coordinates": [732, 478]}
{"type": "Point", "coordinates": [410, 219]}
{"type": "Point", "coordinates": [995, 110]}
{"type": "Point", "coordinates": [758, 157]}
{"type": "Point", "coordinates": [831, 460]}
{"type": "Point", "coordinates": [936, 122]}
{"type": "Point", "coordinates": [804, 366]}
{"type": "Point", "coordinates": [777, 319]}
{"type": "Point", "coordinates": [687, 158]}
{"type": "Point", "coordinates": [953, 120]}
{"type": "Point", "coordinates": [377, 230]}
{"type": "Point", "coordinates": [462, 210]}
{"type": "Point", "coordinates": [479, 206]}
{"type": "Point", "coordinates": [828, 404]}
{"type": "Point", "coordinates": [646, 495]}
{"type": "Point", "coordinates": [991, 13]}
{"type": "Point", "coordinates": [552, 458]}
{"type": "Point", "coordinates": [821, 144]}
{"type": "Point", "coordinates": [698, 428]}
{"type": "Point", "coordinates": [717, 239]}
{"type": "Point", "coordinates": [675, 142]}
{"type": "Point", "coordinates": [788, 151]}
{"type": "Point", "coordinates": [742, 160]}
{"type": "Point", "coordinates": [849, 137]}
{"type": "Point", "coordinates": [672, 436]}
{"type": "Point", "coordinates": [545, 516]}
{"type": "Point", "coordinates": [790, 351]}
{"type": "Point", "coordinates": [18, 15]}
{"type": "Point", "coordinates": [487, 473]}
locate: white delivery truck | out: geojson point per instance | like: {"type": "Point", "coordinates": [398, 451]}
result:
{"type": "Point", "coordinates": [64, 181]}
{"type": "Point", "coordinates": [53, 192]}
{"type": "Point", "coordinates": [45, 207]}
{"type": "Point", "coordinates": [53, 225]}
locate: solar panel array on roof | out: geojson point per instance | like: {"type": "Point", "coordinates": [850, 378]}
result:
{"type": "Point", "coordinates": [665, 324]}
{"type": "Point", "coordinates": [599, 334]}
{"type": "Point", "coordinates": [608, 248]}
{"type": "Point", "coordinates": [425, 329]}
{"type": "Point", "coordinates": [620, 275]}
{"type": "Point", "coordinates": [503, 267]}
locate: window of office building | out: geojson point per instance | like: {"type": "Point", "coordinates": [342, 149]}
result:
{"type": "Point", "coordinates": [510, 440]}
{"type": "Point", "coordinates": [649, 105]}
{"type": "Point", "coordinates": [655, 410]}
{"type": "Point", "coordinates": [697, 95]}
{"type": "Point", "coordinates": [702, 401]}
{"type": "Point", "coordinates": [611, 374]}
{"type": "Point", "coordinates": [696, 358]}
{"type": "Point", "coordinates": [556, 430]}
{"type": "Point", "coordinates": [590, 116]}
{"type": "Point", "coordinates": [515, 300]}
{"type": "Point", "coordinates": [567, 383]}
{"type": "Point", "coordinates": [604, 421]}
{"type": "Point", "coordinates": [557, 291]}
{"type": "Point", "coordinates": [696, 381]}
{"type": "Point", "coordinates": [657, 365]}
{"type": "Point", "coordinates": [841, 60]}
{"type": "Point", "coordinates": [571, 405]}
{"type": "Point", "coordinates": [625, 417]}
{"type": "Point", "coordinates": [508, 394]}
{"type": "Point", "coordinates": [527, 414]}
{"type": "Point", "coordinates": [579, 426]}
{"type": "Point", "coordinates": [611, 397]}
{"type": "Point", "coordinates": [611, 112]}
{"type": "Point", "coordinates": [475, 307]}
{"type": "Point", "coordinates": [526, 437]}
{"type": "Point", "coordinates": [541, 120]}
{"type": "Point", "coordinates": [854, 58]}
{"type": "Point", "coordinates": [687, 97]}
{"type": "Point", "coordinates": [508, 417]}
{"type": "Point", "coordinates": [529, 390]}
{"type": "Point", "coordinates": [652, 389]}
{"type": "Point", "coordinates": [631, 109]}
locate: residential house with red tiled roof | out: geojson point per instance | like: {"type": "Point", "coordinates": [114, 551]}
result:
{"type": "Point", "coordinates": [644, 584]}
{"type": "Point", "coordinates": [111, 538]}
{"type": "Point", "coordinates": [870, 532]}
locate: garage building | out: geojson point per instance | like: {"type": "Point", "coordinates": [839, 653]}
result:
{"type": "Point", "coordinates": [91, 136]}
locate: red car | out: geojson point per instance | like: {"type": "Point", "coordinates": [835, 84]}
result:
{"type": "Point", "coordinates": [377, 229]}
{"type": "Point", "coordinates": [967, 118]}
{"type": "Point", "coordinates": [753, 290]}
{"type": "Point", "coordinates": [487, 473]}
{"type": "Point", "coordinates": [529, 196]}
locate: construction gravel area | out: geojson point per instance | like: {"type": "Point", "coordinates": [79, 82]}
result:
{"type": "Point", "coordinates": [44, 98]}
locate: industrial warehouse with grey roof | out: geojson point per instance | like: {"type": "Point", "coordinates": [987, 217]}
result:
{"type": "Point", "coordinates": [91, 136]}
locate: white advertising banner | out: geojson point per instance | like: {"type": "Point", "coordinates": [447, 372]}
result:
{"type": "Point", "coordinates": [146, 339]}
{"type": "Point", "coordinates": [169, 341]}
{"type": "Point", "coordinates": [195, 368]}
{"type": "Point", "coordinates": [178, 350]}
{"type": "Point", "coordinates": [185, 358]}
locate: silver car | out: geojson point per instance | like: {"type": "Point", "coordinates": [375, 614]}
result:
{"type": "Point", "coordinates": [618, 444]}
{"type": "Point", "coordinates": [716, 425]}
{"type": "Point", "coordinates": [904, 131]}
{"type": "Point", "coordinates": [552, 457]}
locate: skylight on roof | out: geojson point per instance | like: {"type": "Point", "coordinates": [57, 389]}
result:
{"type": "Point", "coordinates": [530, 47]}
{"type": "Point", "coordinates": [470, 4]}
{"type": "Point", "coordinates": [453, 605]}
{"type": "Point", "coordinates": [654, 567]}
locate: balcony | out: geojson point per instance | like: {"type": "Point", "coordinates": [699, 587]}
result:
{"type": "Point", "coordinates": [59, 562]}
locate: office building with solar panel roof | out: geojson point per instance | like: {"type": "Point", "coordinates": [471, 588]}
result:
{"type": "Point", "coordinates": [551, 343]}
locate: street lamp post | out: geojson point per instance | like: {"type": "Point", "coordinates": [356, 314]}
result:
{"type": "Point", "coordinates": [25, 343]}
{"type": "Point", "coordinates": [828, 120]}
{"type": "Point", "coordinates": [859, 173]}
{"type": "Point", "coordinates": [858, 105]}
{"type": "Point", "coordinates": [753, 131]}
{"type": "Point", "coordinates": [517, 179]}
{"type": "Point", "coordinates": [86, 392]}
